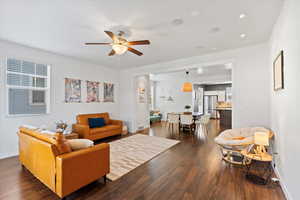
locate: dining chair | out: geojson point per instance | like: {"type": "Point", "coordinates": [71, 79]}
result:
{"type": "Point", "coordinates": [187, 121]}
{"type": "Point", "coordinates": [173, 121]}
{"type": "Point", "coordinates": [203, 123]}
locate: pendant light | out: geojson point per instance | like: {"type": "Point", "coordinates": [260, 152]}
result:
{"type": "Point", "coordinates": [187, 86]}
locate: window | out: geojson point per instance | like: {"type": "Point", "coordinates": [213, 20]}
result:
{"type": "Point", "coordinates": [28, 87]}
{"type": "Point", "coordinates": [37, 97]}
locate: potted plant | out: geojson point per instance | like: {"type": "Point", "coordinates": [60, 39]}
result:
{"type": "Point", "coordinates": [187, 109]}
{"type": "Point", "coordinates": [61, 126]}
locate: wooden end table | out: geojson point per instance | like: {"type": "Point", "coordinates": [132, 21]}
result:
{"type": "Point", "coordinates": [71, 136]}
{"type": "Point", "coordinates": [266, 160]}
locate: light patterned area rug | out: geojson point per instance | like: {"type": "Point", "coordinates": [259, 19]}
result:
{"type": "Point", "coordinates": [129, 153]}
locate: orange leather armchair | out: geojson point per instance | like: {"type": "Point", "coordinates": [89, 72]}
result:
{"type": "Point", "coordinates": [112, 127]}
{"type": "Point", "coordinates": [63, 172]}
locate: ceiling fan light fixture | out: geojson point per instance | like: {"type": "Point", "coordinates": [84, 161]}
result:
{"type": "Point", "coordinates": [200, 70]}
{"type": "Point", "coordinates": [119, 49]}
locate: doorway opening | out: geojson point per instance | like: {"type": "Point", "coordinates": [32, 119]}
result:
{"type": "Point", "coordinates": [211, 93]}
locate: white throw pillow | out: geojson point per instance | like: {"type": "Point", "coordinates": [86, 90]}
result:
{"type": "Point", "coordinates": [77, 144]}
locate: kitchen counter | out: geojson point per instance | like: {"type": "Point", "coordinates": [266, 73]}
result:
{"type": "Point", "coordinates": [223, 109]}
{"type": "Point", "coordinates": [225, 117]}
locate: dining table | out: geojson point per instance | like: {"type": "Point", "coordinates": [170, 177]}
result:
{"type": "Point", "coordinates": [196, 115]}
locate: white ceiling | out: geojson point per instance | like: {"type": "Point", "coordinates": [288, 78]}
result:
{"type": "Point", "coordinates": [63, 26]}
{"type": "Point", "coordinates": [211, 70]}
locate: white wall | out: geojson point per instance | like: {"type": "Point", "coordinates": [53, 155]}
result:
{"type": "Point", "coordinates": [250, 77]}
{"type": "Point", "coordinates": [143, 108]}
{"type": "Point", "coordinates": [61, 67]}
{"type": "Point", "coordinates": [285, 104]}
{"type": "Point", "coordinates": [171, 87]}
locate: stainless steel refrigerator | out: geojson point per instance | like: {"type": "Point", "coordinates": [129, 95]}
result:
{"type": "Point", "coordinates": [210, 104]}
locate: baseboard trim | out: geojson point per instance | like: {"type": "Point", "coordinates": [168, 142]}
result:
{"type": "Point", "coordinates": [282, 185]}
{"type": "Point", "coordinates": [7, 155]}
{"type": "Point", "coordinates": [142, 130]}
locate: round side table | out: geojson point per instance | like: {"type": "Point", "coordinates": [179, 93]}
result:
{"type": "Point", "coordinates": [266, 172]}
{"type": "Point", "coordinates": [71, 136]}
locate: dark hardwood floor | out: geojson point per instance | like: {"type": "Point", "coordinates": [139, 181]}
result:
{"type": "Point", "coordinates": [192, 169]}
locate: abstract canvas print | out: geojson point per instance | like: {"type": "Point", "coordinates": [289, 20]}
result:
{"type": "Point", "coordinates": [142, 95]}
{"type": "Point", "coordinates": [108, 92]}
{"type": "Point", "coordinates": [92, 91]}
{"type": "Point", "coordinates": [72, 90]}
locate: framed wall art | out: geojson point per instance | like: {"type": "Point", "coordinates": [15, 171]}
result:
{"type": "Point", "coordinates": [92, 91]}
{"type": "Point", "coordinates": [108, 92]}
{"type": "Point", "coordinates": [72, 90]}
{"type": "Point", "coordinates": [278, 72]}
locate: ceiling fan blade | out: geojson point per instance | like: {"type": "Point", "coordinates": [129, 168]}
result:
{"type": "Point", "coordinates": [140, 42]}
{"type": "Point", "coordinates": [110, 34]}
{"type": "Point", "coordinates": [95, 43]}
{"type": "Point", "coordinates": [112, 52]}
{"type": "Point", "coordinates": [135, 51]}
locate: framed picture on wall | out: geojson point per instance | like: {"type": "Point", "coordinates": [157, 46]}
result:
{"type": "Point", "coordinates": [142, 94]}
{"type": "Point", "coordinates": [92, 91]}
{"type": "Point", "coordinates": [108, 92]}
{"type": "Point", "coordinates": [278, 75]}
{"type": "Point", "coordinates": [72, 90]}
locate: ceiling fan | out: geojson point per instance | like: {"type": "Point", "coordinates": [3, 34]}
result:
{"type": "Point", "coordinates": [120, 45]}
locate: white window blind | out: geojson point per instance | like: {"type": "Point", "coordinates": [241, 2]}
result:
{"type": "Point", "coordinates": [28, 87]}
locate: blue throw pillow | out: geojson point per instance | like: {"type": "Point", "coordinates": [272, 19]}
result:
{"type": "Point", "coordinates": [96, 122]}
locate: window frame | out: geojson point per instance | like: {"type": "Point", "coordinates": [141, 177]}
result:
{"type": "Point", "coordinates": [47, 89]}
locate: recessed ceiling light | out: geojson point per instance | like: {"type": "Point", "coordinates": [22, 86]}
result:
{"type": "Point", "coordinates": [215, 30]}
{"type": "Point", "coordinates": [177, 22]}
{"type": "Point", "coordinates": [200, 70]}
{"type": "Point", "coordinates": [200, 47]}
{"type": "Point", "coordinates": [213, 48]}
{"type": "Point", "coordinates": [195, 13]}
{"type": "Point", "coordinates": [242, 16]}
{"type": "Point", "coordinates": [243, 35]}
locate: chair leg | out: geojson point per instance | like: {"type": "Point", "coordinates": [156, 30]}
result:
{"type": "Point", "coordinates": [205, 129]}
{"type": "Point", "coordinates": [105, 179]}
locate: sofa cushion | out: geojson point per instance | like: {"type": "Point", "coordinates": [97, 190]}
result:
{"type": "Point", "coordinates": [77, 144]}
{"type": "Point", "coordinates": [96, 122]}
{"type": "Point", "coordinates": [83, 118]}
{"type": "Point", "coordinates": [104, 129]}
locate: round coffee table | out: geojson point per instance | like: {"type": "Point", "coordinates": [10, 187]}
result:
{"type": "Point", "coordinates": [265, 159]}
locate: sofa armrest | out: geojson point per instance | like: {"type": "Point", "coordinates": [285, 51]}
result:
{"type": "Point", "coordinates": [79, 168]}
{"type": "Point", "coordinates": [82, 130]}
{"type": "Point", "coordinates": [116, 122]}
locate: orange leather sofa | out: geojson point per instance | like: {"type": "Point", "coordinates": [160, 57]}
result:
{"type": "Point", "coordinates": [112, 127]}
{"type": "Point", "coordinates": [62, 170]}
